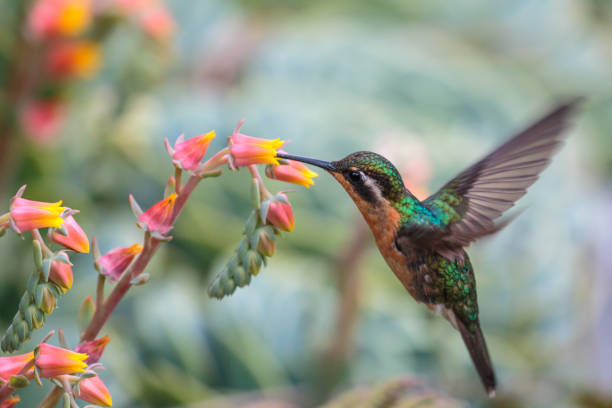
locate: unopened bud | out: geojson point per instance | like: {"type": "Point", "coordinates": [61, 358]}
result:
{"type": "Point", "coordinates": [229, 286]}
{"type": "Point", "coordinates": [45, 298]}
{"type": "Point", "coordinates": [18, 381]}
{"type": "Point", "coordinates": [266, 244]}
{"type": "Point", "coordinates": [34, 317]}
{"type": "Point", "coordinates": [253, 262]}
{"type": "Point", "coordinates": [240, 276]}
{"type": "Point", "coordinates": [251, 224]}
{"type": "Point", "coordinates": [22, 330]}
{"type": "Point", "coordinates": [38, 257]}
{"type": "Point", "coordinates": [86, 312]}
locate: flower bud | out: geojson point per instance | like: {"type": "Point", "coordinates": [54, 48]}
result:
{"type": "Point", "coordinates": [86, 312]}
{"type": "Point", "coordinates": [266, 244]}
{"type": "Point", "coordinates": [281, 215]}
{"type": "Point", "coordinates": [94, 391]}
{"type": "Point", "coordinates": [45, 298]}
{"type": "Point", "coordinates": [19, 381]}
{"type": "Point", "coordinates": [61, 275]}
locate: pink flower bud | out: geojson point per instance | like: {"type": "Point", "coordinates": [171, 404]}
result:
{"type": "Point", "coordinates": [159, 216]}
{"type": "Point", "coordinates": [116, 261]}
{"type": "Point", "coordinates": [94, 349]}
{"type": "Point", "coordinates": [61, 275]}
{"type": "Point", "coordinates": [76, 238]}
{"type": "Point", "coordinates": [12, 365]}
{"type": "Point", "coordinates": [53, 361]}
{"type": "Point", "coordinates": [94, 391]}
{"type": "Point", "coordinates": [28, 215]}
{"type": "Point", "coordinates": [281, 215]}
{"type": "Point", "coordinates": [191, 152]}
{"type": "Point", "coordinates": [294, 172]}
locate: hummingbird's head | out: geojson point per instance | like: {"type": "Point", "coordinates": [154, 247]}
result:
{"type": "Point", "coordinates": [370, 179]}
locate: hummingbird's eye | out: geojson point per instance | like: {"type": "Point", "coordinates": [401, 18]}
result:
{"type": "Point", "coordinates": [355, 176]}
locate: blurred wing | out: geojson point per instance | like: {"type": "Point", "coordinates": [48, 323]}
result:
{"type": "Point", "coordinates": [482, 192]}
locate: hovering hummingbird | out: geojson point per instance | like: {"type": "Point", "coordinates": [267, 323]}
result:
{"type": "Point", "coordinates": [423, 241]}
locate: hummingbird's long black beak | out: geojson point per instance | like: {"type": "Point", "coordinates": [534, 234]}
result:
{"type": "Point", "coordinates": [319, 163]}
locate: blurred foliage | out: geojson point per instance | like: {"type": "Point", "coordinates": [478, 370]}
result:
{"type": "Point", "coordinates": [441, 83]}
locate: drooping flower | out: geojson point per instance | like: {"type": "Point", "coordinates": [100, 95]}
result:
{"type": "Point", "coordinates": [159, 216]}
{"type": "Point", "coordinates": [75, 59]}
{"type": "Point", "coordinates": [51, 18]}
{"type": "Point", "coordinates": [116, 261]}
{"type": "Point", "coordinates": [281, 215]}
{"type": "Point", "coordinates": [11, 402]}
{"type": "Point", "coordinates": [42, 120]}
{"type": "Point", "coordinates": [12, 365]}
{"type": "Point", "coordinates": [94, 391]}
{"type": "Point", "coordinates": [247, 150]}
{"type": "Point", "coordinates": [61, 274]}
{"type": "Point", "coordinates": [189, 153]}
{"type": "Point", "coordinates": [94, 349]}
{"type": "Point", "coordinates": [53, 361]}
{"type": "Point", "coordinates": [76, 239]}
{"type": "Point", "coordinates": [294, 172]}
{"type": "Point", "coordinates": [28, 215]}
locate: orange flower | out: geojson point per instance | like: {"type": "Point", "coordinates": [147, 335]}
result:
{"type": "Point", "coordinates": [76, 238]}
{"type": "Point", "coordinates": [61, 275]}
{"type": "Point", "coordinates": [116, 261]}
{"type": "Point", "coordinates": [12, 365]}
{"type": "Point", "coordinates": [189, 153]}
{"type": "Point", "coordinates": [247, 150]}
{"type": "Point", "coordinates": [50, 18]}
{"type": "Point", "coordinates": [281, 215]}
{"type": "Point", "coordinates": [94, 391]}
{"type": "Point", "coordinates": [159, 216]}
{"type": "Point", "coordinates": [78, 59]}
{"type": "Point", "coordinates": [28, 215]}
{"type": "Point", "coordinates": [11, 402]}
{"type": "Point", "coordinates": [94, 349]}
{"type": "Point", "coordinates": [53, 361]}
{"type": "Point", "coordinates": [294, 172]}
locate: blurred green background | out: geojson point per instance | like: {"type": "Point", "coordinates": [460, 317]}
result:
{"type": "Point", "coordinates": [434, 85]}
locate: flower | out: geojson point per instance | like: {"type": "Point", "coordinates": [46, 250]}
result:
{"type": "Point", "coordinates": [11, 402]}
{"type": "Point", "coordinates": [61, 275]}
{"type": "Point", "coordinates": [294, 172]}
{"type": "Point", "coordinates": [116, 261]}
{"type": "Point", "coordinates": [94, 391]}
{"type": "Point", "coordinates": [190, 152]}
{"type": "Point", "coordinates": [159, 216]}
{"type": "Point", "coordinates": [247, 150]}
{"type": "Point", "coordinates": [50, 18]}
{"type": "Point", "coordinates": [12, 365]}
{"type": "Point", "coordinates": [76, 238]}
{"type": "Point", "coordinates": [94, 349]}
{"type": "Point", "coordinates": [281, 215]}
{"type": "Point", "coordinates": [78, 59]}
{"type": "Point", "coordinates": [42, 120]}
{"type": "Point", "coordinates": [53, 361]}
{"type": "Point", "coordinates": [157, 22]}
{"type": "Point", "coordinates": [28, 215]}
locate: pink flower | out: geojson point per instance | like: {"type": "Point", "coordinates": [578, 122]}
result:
{"type": "Point", "coordinates": [116, 261]}
{"type": "Point", "coordinates": [76, 59]}
{"type": "Point", "coordinates": [247, 150]}
{"type": "Point", "coordinates": [159, 216]}
{"type": "Point", "coordinates": [12, 365]}
{"type": "Point", "coordinates": [61, 275]}
{"type": "Point", "coordinates": [157, 22]}
{"type": "Point", "coordinates": [53, 361]}
{"type": "Point", "coordinates": [281, 215]}
{"type": "Point", "coordinates": [28, 215]}
{"type": "Point", "coordinates": [294, 172]}
{"type": "Point", "coordinates": [94, 391]}
{"type": "Point", "coordinates": [94, 349]}
{"type": "Point", "coordinates": [191, 152]}
{"type": "Point", "coordinates": [42, 120]}
{"type": "Point", "coordinates": [11, 402]}
{"type": "Point", "coordinates": [51, 18]}
{"type": "Point", "coordinates": [76, 238]}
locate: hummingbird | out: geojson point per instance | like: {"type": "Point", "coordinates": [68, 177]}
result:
{"type": "Point", "coordinates": [423, 242]}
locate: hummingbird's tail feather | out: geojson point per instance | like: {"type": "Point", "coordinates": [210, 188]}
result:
{"type": "Point", "coordinates": [477, 347]}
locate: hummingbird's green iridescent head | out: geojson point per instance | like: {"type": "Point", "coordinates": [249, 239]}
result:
{"type": "Point", "coordinates": [368, 177]}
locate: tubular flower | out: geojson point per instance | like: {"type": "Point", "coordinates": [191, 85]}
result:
{"type": "Point", "coordinates": [189, 153]}
{"type": "Point", "coordinates": [159, 216]}
{"type": "Point", "coordinates": [116, 261]}
{"type": "Point", "coordinates": [94, 349]}
{"type": "Point", "coordinates": [94, 391]}
{"type": "Point", "coordinates": [294, 172]}
{"type": "Point", "coordinates": [76, 238]}
{"type": "Point", "coordinates": [61, 275]}
{"type": "Point", "coordinates": [12, 365]}
{"type": "Point", "coordinates": [80, 59]}
{"type": "Point", "coordinates": [11, 402]}
{"type": "Point", "coordinates": [53, 361]}
{"type": "Point", "coordinates": [50, 18]}
{"type": "Point", "coordinates": [247, 150]}
{"type": "Point", "coordinates": [281, 215]}
{"type": "Point", "coordinates": [28, 215]}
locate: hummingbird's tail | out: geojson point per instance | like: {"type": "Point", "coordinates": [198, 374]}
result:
{"type": "Point", "coordinates": [477, 347]}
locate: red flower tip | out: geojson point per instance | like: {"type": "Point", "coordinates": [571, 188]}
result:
{"type": "Point", "coordinates": [94, 349]}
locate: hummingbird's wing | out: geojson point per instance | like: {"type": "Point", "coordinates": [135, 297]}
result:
{"type": "Point", "coordinates": [470, 202]}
